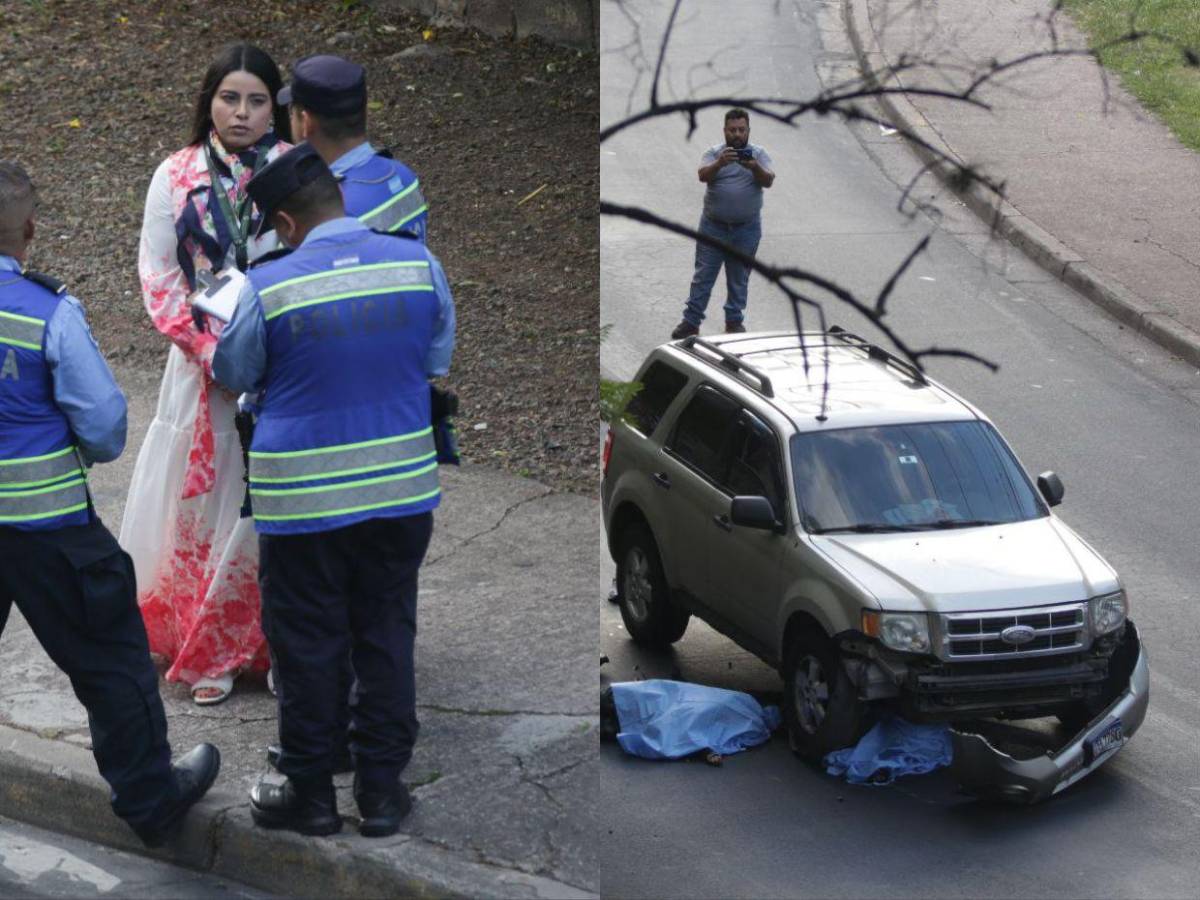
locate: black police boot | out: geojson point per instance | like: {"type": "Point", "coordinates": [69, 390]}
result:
{"type": "Point", "coordinates": [306, 807]}
{"type": "Point", "coordinates": [381, 809]}
{"type": "Point", "coordinates": [343, 762]}
{"type": "Point", "coordinates": [194, 773]}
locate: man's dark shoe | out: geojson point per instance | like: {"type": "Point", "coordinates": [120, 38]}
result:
{"type": "Point", "coordinates": [735, 327]}
{"type": "Point", "coordinates": [684, 329]}
{"type": "Point", "coordinates": [194, 773]}
{"type": "Point", "coordinates": [382, 811]}
{"type": "Point", "coordinates": [343, 762]}
{"type": "Point", "coordinates": [309, 809]}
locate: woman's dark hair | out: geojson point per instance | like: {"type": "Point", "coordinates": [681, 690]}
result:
{"type": "Point", "coordinates": [239, 58]}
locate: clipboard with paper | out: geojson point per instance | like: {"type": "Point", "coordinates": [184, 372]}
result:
{"type": "Point", "coordinates": [216, 295]}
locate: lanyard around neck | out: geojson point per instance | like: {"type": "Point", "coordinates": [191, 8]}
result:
{"type": "Point", "coordinates": [238, 223]}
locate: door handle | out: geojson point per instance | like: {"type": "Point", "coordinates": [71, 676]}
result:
{"type": "Point", "coordinates": [722, 522]}
{"type": "Point", "coordinates": [661, 479]}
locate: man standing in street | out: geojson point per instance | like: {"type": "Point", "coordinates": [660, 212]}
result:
{"type": "Point", "coordinates": [736, 173]}
{"type": "Point", "coordinates": [61, 410]}
{"type": "Point", "coordinates": [341, 337]}
{"type": "Point", "coordinates": [327, 102]}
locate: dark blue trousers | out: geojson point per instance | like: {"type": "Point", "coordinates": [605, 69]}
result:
{"type": "Point", "coordinates": [76, 589]}
{"type": "Point", "coordinates": [332, 595]}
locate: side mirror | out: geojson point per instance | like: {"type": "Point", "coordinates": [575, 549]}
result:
{"type": "Point", "coordinates": [1051, 487]}
{"type": "Point", "coordinates": [753, 512]}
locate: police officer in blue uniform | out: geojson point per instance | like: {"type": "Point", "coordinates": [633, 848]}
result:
{"type": "Point", "coordinates": [60, 411]}
{"type": "Point", "coordinates": [340, 337]}
{"type": "Point", "coordinates": [327, 102]}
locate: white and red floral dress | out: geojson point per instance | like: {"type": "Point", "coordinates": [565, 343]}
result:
{"type": "Point", "coordinates": [196, 560]}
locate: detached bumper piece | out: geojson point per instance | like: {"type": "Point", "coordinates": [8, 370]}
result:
{"type": "Point", "coordinates": [983, 769]}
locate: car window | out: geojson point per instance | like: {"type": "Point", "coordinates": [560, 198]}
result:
{"type": "Point", "coordinates": [904, 477]}
{"type": "Point", "coordinates": [754, 463]}
{"type": "Point", "coordinates": [700, 433]}
{"type": "Point", "coordinates": [660, 385]}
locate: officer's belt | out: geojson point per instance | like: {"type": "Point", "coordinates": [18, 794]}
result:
{"type": "Point", "coordinates": [394, 213]}
{"type": "Point", "coordinates": [21, 331]}
{"type": "Point", "coordinates": [342, 284]}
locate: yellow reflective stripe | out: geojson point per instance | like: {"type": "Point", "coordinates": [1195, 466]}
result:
{"type": "Point", "coordinates": [392, 213]}
{"type": "Point", "coordinates": [342, 473]}
{"type": "Point", "coordinates": [340, 284]}
{"type": "Point", "coordinates": [32, 471]}
{"type": "Point", "coordinates": [43, 503]}
{"type": "Point", "coordinates": [21, 331]}
{"type": "Point", "coordinates": [341, 499]}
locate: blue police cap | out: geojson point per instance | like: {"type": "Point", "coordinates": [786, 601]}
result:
{"type": "Point", "coordinates": [282, 177]}
{"type": "Point", "coordinates": [326, 85]}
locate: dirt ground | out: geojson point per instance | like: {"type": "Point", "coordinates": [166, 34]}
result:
{"type": "Point", "coordinates": [94, 93]}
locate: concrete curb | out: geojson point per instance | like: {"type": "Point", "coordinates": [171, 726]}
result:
{"type": "Point", "coordinates": [54, 785]}
{"type": "Point", "coordinates": [1039, 245]}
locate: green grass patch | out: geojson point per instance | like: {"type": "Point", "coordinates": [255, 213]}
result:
{"type": "Point", "coordinates": [1154, 69]}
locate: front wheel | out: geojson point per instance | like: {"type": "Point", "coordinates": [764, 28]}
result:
{"type": "Point", "coordinates": [650, 617]}
{"type": "Point", "coordinates": [821, 706]}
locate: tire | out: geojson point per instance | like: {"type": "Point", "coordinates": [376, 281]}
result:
{"type": "Point", "coordinates": [650, 617]}
{"type": "Point", "coordinates": [821, 706]}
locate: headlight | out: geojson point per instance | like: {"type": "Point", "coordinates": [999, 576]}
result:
{"type": "Point", "coordinates": [908, 632]}
{"type": "Point", "coordinates": [1108, 612]}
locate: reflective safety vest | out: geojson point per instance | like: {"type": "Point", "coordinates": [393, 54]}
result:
{"type": "Point", "coordinates": [344, 431]}
{"type": "Point", "coordinates": [385, 195]}
{"type": "Point", "coordinates": [42, 482]}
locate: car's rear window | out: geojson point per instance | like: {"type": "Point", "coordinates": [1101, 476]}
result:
{"type": "Point", "coordinates": [660, 385]}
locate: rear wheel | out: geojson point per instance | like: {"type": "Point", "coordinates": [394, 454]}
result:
{"type": "Point", "coordinates": [821, 707]}
{"type": "Point", "coordinates": [646, 608]}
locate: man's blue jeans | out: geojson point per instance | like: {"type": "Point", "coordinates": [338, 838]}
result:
{"type": "Point", "coordinates": [745, 237]}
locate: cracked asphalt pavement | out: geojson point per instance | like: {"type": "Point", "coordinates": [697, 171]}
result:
{"type": "Point", "coordinates": [505, 765]}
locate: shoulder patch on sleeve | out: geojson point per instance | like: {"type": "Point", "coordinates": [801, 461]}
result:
{"type": "Point", "coordinates": [51, 284]}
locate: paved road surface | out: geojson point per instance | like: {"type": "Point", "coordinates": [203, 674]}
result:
{"type": "Point", "coordinates": [1113, 415]}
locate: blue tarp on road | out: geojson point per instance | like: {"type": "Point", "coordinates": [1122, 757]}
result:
{"type": "Point", "coordinates": [892, 748]}
{"type": "Point", "coordinates": [662, 719]}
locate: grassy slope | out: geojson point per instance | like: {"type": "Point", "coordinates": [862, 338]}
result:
{"type": "Point", "coordinates": [1154, 70]}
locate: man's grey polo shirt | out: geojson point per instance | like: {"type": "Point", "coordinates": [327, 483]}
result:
{"type": "Point", "coordinates": [733, 196]}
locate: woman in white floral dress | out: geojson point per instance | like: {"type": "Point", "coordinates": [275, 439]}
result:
{"type": "Point", "coordinates": [196, 559]}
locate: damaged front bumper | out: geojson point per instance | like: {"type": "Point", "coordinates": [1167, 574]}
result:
{"type": "Point", "coordinates": [984, 769]}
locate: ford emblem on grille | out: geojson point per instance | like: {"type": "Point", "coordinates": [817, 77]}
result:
{"type": "Point", "coordinates": [1017, 635]}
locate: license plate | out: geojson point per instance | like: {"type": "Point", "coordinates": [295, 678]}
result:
{"type": "Point", "coordinates": [1112, 736]}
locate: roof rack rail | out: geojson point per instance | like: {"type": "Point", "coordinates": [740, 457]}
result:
{"type": "Point", "coordinates": [727, 360]}
{"type": "Point", "coordinates": [877, 353]}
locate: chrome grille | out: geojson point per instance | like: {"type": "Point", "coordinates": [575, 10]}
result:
{"type": "Point", "coordinates": [976, 635]}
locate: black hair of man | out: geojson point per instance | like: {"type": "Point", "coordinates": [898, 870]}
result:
{"type": "Point", "coordinates": [340, 128]}
{"type": "Point", "coordinates": [318, 200]}
{"type": "Point", "coordinates": [239, 58]}
{"type": "Point", "coordinates": [737, 113]}
{"type": "Point", "coordinates": [17, 197]}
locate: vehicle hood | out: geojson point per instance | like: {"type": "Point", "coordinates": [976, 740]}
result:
{"type": "Point", "coordinates": [1030, 563]}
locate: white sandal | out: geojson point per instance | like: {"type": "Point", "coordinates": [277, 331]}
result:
{"type": "Point", "coordinates": [222, 685]}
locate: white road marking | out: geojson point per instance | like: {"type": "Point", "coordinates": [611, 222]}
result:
{"type": "Point", "coordinates": [29, 860]}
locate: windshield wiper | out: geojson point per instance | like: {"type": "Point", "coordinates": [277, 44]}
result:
{"type": "Point", "coordinates": [956, 523]}
{"type": "Point", "coordinates": [865, 528]}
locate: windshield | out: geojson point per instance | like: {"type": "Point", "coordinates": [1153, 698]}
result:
{"type": "Point", "coordinates": [909, 478]}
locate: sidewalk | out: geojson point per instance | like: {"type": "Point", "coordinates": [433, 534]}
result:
{"type": "Point", "coordinates": [504, 770]}
{"type": "Point", "coordinates": [1099, 192]}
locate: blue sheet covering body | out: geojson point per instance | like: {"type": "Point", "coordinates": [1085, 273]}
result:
{"type": "Point", "coordinates": [663, 719]}
{"type": "Point", "coordinates": [892, 748]}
